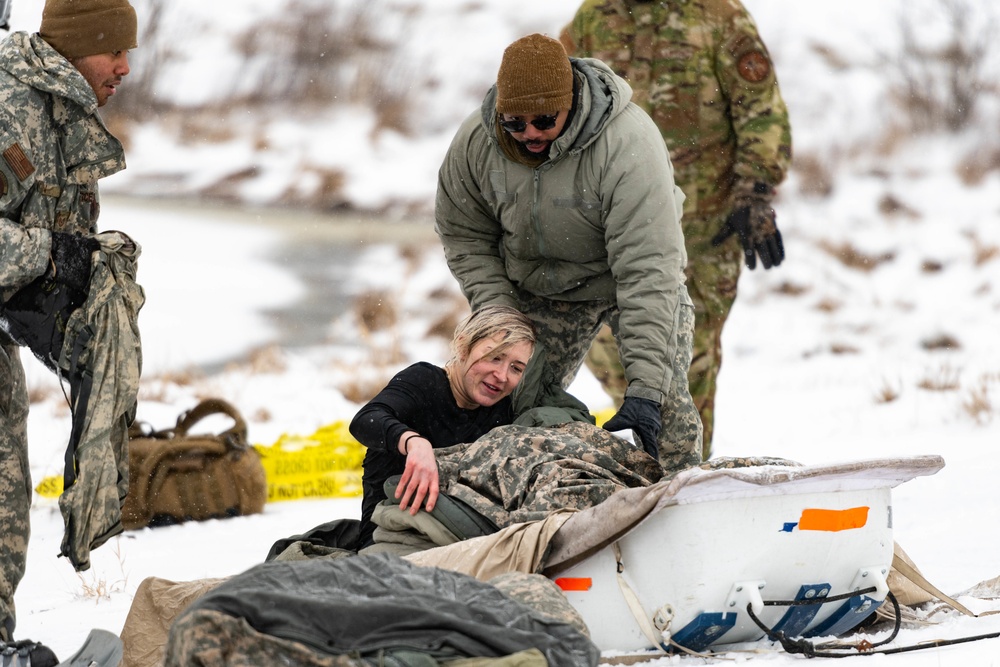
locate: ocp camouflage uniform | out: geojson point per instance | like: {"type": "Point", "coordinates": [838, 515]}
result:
{"type": "Point", "coordinates": [53, 149]}
{"type": "Point", "coordinates": [701, 71]}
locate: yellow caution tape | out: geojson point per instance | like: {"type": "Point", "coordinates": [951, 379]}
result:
{"type": "Point", "coordinates": [604, 415]}
{"type": "Point", "coordinates": [50, 487]}
{"type": "Point", "coordinates": [326, 464]}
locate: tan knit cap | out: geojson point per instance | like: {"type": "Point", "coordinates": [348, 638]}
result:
{"type": "Point", "coordinates": [535, 77]}
{"type": "Point", "coordinates": [77, 28]}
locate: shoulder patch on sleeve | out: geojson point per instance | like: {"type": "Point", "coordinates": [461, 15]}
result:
{"type": "Point", "coordinates": [754, 66]}
{"type": "Point", "coordinates": [18, 162]}
{"type": "Point", "coordinates": [3, 185]}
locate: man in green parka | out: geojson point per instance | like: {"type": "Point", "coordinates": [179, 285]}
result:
{"type": "Point", "coordinates": [557, 198]}
{"type": "Point", "coordinates": [700, 69]}
{"type": "Point", "coordinates": [53, 149]}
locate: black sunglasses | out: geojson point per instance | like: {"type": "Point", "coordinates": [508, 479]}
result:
{"type": "Point", "coordinates": [540, 123]}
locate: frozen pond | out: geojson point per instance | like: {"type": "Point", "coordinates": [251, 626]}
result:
{"type": "Point", "coordinates": [203, 293]}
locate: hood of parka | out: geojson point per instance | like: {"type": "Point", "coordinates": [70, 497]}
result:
{"type": "Point", "coordinates": [601, 96]}
{"type": "Point", "coordinates": [32, 61]}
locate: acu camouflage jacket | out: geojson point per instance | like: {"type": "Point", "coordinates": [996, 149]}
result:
{"type": "Point", "coordinates": [700, 69]}
{"type": "Point", "coordinates": [53, 149]}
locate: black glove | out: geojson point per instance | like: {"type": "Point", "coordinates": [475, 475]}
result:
{"type": "Point", "coordinates": [753, 220]}
{"type": "Point", "coordinates": [27, 652]}
{"type": "Point", "coordinates": [71, 256]}
{"type": "Point", "coordinates": [643, 417]}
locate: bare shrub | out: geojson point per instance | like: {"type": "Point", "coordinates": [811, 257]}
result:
{"type": "Point", "coordinates": [319, 54]}
{"type": "Point", "coordinates": [145, 63]}
{"type": "Point", "coordinates": [843, 348]}
{"type": "Point", "coordinates": [945, 378]}
{"type": "Point", "coordinates": [938, 84]}
{"type": "Point", "coordinates": [853, 258]}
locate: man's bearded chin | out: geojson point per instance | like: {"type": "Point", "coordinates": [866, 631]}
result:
{"type": "Point", "coordinates": [523, 147]}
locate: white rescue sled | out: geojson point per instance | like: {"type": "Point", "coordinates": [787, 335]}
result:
{"type": "Point", "coordinates": [684, 560]}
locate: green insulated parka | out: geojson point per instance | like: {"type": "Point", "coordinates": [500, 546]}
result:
{"type": "Point", "coordinates": [598, 221]}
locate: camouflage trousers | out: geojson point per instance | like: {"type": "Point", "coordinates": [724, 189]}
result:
{"type": "Point", "coordinates": [712, 275]}
{"type": "Point", "coordinates": [15, 483]}
{"type": "Point", "coordinates": [567, 330]}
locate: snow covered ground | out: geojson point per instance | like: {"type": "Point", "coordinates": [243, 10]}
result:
{"type": "Point", "coordinates": [875, 339]}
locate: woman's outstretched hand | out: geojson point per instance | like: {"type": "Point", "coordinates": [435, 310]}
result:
{"type": "Point", "coordinates": [419, 483]}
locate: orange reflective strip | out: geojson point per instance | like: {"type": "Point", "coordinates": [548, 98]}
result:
{"type": "Point", "coordinates": [574, 583]}
{"type": "Point", "coordinates": [833, 520]}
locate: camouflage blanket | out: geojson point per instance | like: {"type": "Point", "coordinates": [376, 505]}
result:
{"type": "Point", "coordinates": [515, 474]}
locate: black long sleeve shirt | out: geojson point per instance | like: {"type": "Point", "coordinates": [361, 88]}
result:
{"type": "Point", "coordinates": [418, 398]}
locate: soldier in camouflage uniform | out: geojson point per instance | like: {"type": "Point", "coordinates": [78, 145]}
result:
{"type": "Point", "coordinates": [53, 149]}
{"type": "Point", "coordinates": [556, 197]}
{"type": "Point", "coordinates": [701, 71]}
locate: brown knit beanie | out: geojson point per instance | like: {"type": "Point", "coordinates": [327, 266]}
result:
{"type": "Point", "coordinates": [77, 28]}
{"type": "Point", "coordinates": [535, 77]}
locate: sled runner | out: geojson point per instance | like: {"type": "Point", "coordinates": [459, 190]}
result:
{"type": "Point", "coordinates": [719, 548]}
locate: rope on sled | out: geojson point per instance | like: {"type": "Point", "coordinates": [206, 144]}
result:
{"type": "Point", "coordinates": [864, 647]}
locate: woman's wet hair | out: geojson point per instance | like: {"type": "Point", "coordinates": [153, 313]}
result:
{"type": "Point", "coordinates": [487, 322]}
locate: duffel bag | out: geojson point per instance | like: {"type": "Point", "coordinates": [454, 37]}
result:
{"type": "Point", "coordinates": [177, 476]}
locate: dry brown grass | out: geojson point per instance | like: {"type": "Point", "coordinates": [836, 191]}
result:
{"type": "Point", "coordinates": [269, 359]}
{"type": "Point", "coordinates": [832, 58]}
{"type": "Point", "coordinates": [931, 266]}
{"type": "Point", "coordinates": [945, 378]}
{"type": "Point", "coordinates": [892, 207]}
{"type": "Point", "coordinates": [789, 288]}
{"type": "Point", "coordinates": [940, 341]}
{"type": "Point", "coordinates": [362, 390]}
{"type": "Point", "coordinates": [888, 392]}
{"type": "Point", "coordinates": [376, 310]}
{"type": "Point", "coordinates": [39, 393]}
{"type": "Point", "coordinates": [978, 164]}
{"type": "Point", "coordinates": [977, 404]}
{"type": "Point", "coordinates": [982, 252]}
{"type": "Point", "coordinates": [327, 195]}
{"type": "Point", "coordinates": [828, 305]}
{"type": "Point", "coordinates": [99, 588]}
{"type": "Point", "coordinates": [815, 177]}
{"type": "Point", "coordinates": [843, 348]}
{"type": "Point", "coordinates": [853, 258]}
